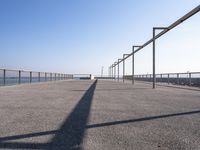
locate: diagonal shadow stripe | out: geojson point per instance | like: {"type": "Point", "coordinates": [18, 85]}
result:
{"type": "Point", "coordinates": [23, 145]}
{"type": "Point", "coordinates": [141, 119]}
{"type": "Point", "coordinates": [69, 136]}
{"type": "Point", "coordinates": [99, 125]}
{"type": "Point", "coordinates": [27, 135]}
{"type": "Point", "coordinates": [71, 133]}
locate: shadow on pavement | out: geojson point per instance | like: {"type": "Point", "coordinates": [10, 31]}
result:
{"type": "Point", "coordinates": [71, 133]}
{"type": "Point", "coordinates": [68, 137]}
{"type": "Point", "coordinates": [141, 119]}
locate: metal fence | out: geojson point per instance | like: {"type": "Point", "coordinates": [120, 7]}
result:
{"type": "Point", "coordinates": [189, 78]}
{"type": "Point", "coordinates": [12, 77]}
{"type": "Point", "coordinates": [137, 48]}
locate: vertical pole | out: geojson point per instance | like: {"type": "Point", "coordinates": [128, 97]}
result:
{"type": "Point", "coordinates": [168, 78]}
{"type": "Point", "coordinates": [55, 76]}
{"type": "Point", "coordinates": [177, 78]}
{"type": "Point", "coordinates": [133, 78]}
{"type": "Point", "coordinates": [108, 71]}
{"type": "Point", "coordinates": [123, 69]}
{"type": "Point", "coordinates": [112, 72]}
{"type": "Point", "coordinates": [118, 71]}
{"type": "Point", "coordinates": [30, 77]}
{"type": "Point", "coordinates": [19, 80]}
{"type": "Point", "coordinates": [45, 76]}
{"type": "Point", "coordinates": [38, 76]}
{"type": "Point", "coordinates": [4, 77]}
{"type": "Point", "coordinates": [154, 75]}
{"type": "Point", "coordinates": [189, 79]}
{"type": "Point", "coordinates": [115, 72]}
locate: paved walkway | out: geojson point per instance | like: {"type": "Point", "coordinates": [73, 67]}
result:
{"type": "Point", "coordinates": [102, 115]}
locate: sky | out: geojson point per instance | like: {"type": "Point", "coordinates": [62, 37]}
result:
{"type": "Point", "coordinates": [81, 36]}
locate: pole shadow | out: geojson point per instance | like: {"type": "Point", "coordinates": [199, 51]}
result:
{"type": "Point", "coordinates": [68, 137]}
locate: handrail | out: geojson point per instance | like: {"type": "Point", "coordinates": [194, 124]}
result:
{"type": "Point", "coordinates": [37, 76]}
{"type": "Point", "coordinates": [170, 27]}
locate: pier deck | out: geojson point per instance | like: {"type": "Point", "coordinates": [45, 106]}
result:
{"type": "Point", "coordinates": [102, 115]}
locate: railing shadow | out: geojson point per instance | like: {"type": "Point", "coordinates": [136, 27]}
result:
{"type": "Point", "coordinates": [68, 137]}
{"type": "Point", "coordinates": [141, 119]}
{"type": "Point", "coordinates": [71, 133]}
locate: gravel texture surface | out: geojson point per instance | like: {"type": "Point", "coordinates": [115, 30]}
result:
{"type": "Point", "coordinates": [98, 115]}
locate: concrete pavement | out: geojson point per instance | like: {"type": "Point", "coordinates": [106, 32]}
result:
{"type": "Point", "coordinates": [102, 115]}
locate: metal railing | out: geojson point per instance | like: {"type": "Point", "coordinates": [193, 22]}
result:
{"type": "Point", "coordinates": [12, 77]}
{"type": "Point", "coordinates": [163, 30]}
{"type": "Point", "coordinates": [189, 78]}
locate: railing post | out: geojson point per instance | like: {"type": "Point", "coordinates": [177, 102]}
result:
{"type": "Point", "coordinates": [190, 79]}
{"type": "Point", "coordinates": [38, 76]}
{"type": "Point", "coordinates": [118, 71]}
{"type": "Point", "coordinates": [4, 77]}
{"type": "Point", "coordinates": [154, 64]}
{"type": "Point", "coordinates": [19, 80]}
{"type": "Point", "coordinates": [154, 75]}
{"type": "Point", "coordinates": [30, 77]}
{"type": "Point", "coordinates": [124, 67]}
{"type": "Point", "coordinates": [133, 63]}
{"type": "Point", "coordinates": [177, 78]}
{"type": "Point", "coordinates": [161, 77]}
{"type": "Point", "coordinates": [115, 72]}
{"type": "Point", "coordinates": [168, 78]}
{"type": "Point", "coordinates": [112, 72]}
{"type": "Point", "coordinates": [45, 76]}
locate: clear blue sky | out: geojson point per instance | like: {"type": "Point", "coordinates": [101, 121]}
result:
{"type": "Point", "coordinates": [80, 36]}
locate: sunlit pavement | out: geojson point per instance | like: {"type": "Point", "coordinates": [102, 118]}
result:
{"type": "Point", "coordinates": [98, 115]}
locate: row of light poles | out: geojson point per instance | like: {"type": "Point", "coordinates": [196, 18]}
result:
{"type": "Point", "coordinates": [112, 68]}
